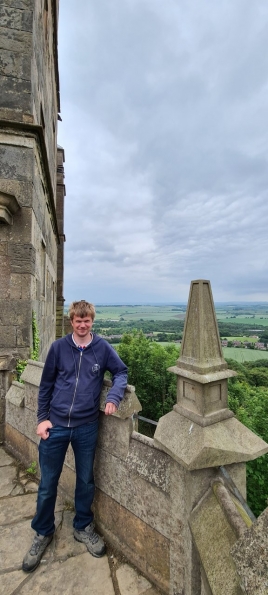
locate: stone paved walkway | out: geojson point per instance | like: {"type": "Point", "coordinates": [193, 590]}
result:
{"type": "Point", "coordinates": [66, 568]}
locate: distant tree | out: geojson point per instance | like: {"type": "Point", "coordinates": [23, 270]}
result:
{"type": "Point", "coordinates": [250, 405]}
{"type": "Point", "coordinates": [147, 370]}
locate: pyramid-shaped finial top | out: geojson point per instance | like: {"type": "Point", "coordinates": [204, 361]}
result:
{"type": "Point", "coordinates": [201, 350]}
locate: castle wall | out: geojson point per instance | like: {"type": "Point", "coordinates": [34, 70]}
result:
{"type": "Point", "coordinates": [28, 160]}
{"type": "Point", "coordinates": [60, 258]}
{"type": "Point", "coordinates": [29, 234]}
{"type": "Point", "coordinates": [144, 498]}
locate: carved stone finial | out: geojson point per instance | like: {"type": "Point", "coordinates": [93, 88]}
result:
{"type": "Point", "coordinates": [201, 349]}
{"type": "Point", "coordinates": [201, 431]}
{"type": "Point", "coordinates": [202, 371]}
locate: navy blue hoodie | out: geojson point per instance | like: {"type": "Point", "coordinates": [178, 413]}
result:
{"type": "Point", "coordinates": [71, 383]}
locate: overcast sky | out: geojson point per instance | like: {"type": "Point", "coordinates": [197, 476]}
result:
{"type": "Point", "coordinates": [164, 109]}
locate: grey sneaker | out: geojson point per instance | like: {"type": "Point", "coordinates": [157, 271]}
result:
{"type": "Point", "coordinates": [35, 553]}
{"type": "Point", "coordinates": [93, 541]}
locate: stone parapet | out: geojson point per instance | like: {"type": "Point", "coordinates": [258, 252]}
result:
{"type": "Point", "coordinates": [250, 557]}
{"type": "Point", "coordinates": [7, 367]}
{"type": "Point", "coordinates": [214, 536]}
{"type": "Point", "coordinates": [161, 502]}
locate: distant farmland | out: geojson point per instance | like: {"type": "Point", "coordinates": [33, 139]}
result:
{"type": "Point", "coordinates": [244, 355]}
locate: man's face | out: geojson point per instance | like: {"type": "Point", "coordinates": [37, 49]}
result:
{"type": "Point", "coordinates": [82, 326]}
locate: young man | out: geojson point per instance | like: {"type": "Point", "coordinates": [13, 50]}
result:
{"type": "Point", "coordinates": [68, 411]}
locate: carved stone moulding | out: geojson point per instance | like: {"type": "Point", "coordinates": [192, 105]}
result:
{"type": "Point", "coordinates": [8, 207]}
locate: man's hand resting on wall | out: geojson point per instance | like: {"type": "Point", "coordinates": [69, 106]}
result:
{"type": "Point", "coordinates": [110, 408]}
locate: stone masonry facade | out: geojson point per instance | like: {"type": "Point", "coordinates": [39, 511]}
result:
{"type": "Point", "coordinates": [31, 185]}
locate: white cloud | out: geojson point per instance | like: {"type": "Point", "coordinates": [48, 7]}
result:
{"type": "Point", "coordinates": [164, 110]}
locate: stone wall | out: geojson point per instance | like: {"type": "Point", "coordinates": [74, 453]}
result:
{"type": "Point", "coordinates": [60, 257]}
{"type": "Point", "coordinates": [28, 134]}
{"type": "Point", "coordinates": [146, 502]}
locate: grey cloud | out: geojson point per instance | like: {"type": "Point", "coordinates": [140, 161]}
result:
{"type": "Point", "coordinates": [164, 128]}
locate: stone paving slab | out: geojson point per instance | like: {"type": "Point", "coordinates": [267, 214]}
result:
{"type": "Point", "coordinates": [65, 544]}
{"type": "Point", "coordinates": [76, 576]}
{"type": "Point", "coordinates": [23, 507]}
{"type": "Point", "coordinates": [131, 583]}
{"type": "Point", "coordinates": [11, 581]}
{"type": "Point", "coordinates": [7, 480]}
{"type": "Point", "coordinates": [5, 459]}
{"type": "Point", "coordinates": [66, 566]}
{"type": "Point", "coordinates": [14, 542]}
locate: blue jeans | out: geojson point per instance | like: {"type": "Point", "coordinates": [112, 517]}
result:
{"type": "Point", "coordinates": [51, 458]}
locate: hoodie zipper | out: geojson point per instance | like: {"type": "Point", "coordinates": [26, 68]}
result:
{"type": "Point", "coordinates": [75, 388]}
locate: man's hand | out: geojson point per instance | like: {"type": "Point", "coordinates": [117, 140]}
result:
{"type": "Point", "coordinates": [42, 429]}
{"type": "Point", "coordinates": [110, 408]}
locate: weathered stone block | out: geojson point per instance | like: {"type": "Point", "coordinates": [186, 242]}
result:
{"type": "Point", "coordinates": [22, 258]}
{"type": "Point", "coordinates": [3, 248]}
{"type": "Point", "coordinates": [142, 545]}
{"type": "Point", "coordinates": [20, 286]}
{"type": "Point", "coordinates": [15, 65]}
{"type": "Point", "coordinates": [16, 162]}
{"type": "Point", "coordinates": [12, 18]}
{"type": "Point", "coordinates": [149, 462]}
{"type": "Point", "coordinates": [32, 376]}
{"type": "Point", "coordinates": [136, 494]}
{"type": "Point", "coordinates": [2, 412]}
{"type": "Point", "coordinates": [14, 40]}
{"type": "Point", "coordinates": [109, 474]}
{"type": "Point", "coordinates": [250, 556]}
{"type": "Point", "coordinates": [21, 447]}
{"type": "Point", "coordinates": [114, 435]}
{"type": "Point", "coordinates": [31, 397]}
{"type": "Point", "coordinates": [22, 229]}
{"type": "Point", "coordinates": [15, 92]}
{"type": "Point", "coordinates": [16, 115]}
{"type": "Point", "coordinates": [16, 311]}
{"type": "Point", "coordinates": [7, 333]}
{"type": "Point", "coordinates": [21, 4]}
{"type": "Point", "coordinates": [214, 537]}
{"type": "Point", "coordinates": [31, 425]}
{"type": "Point", "coordinates": [4, 277]}
{"type": "Point", "coordinates": [147, 502]}
{"type": "Point", "coordinates": [23, 337]}
{"type": "Point", "coordinates": [15, 416]}
{"type": "Point", "coordinates": [16, 394]}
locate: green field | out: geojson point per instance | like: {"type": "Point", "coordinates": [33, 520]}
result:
{"type": "Point", "coordinates": [247, 314]}
{"type": "Point", "coordinates": [244, 339]}
{"type": "Point", "coordinates": [244, 355]}
{"type": "Point", "coordinates": [236, 321]}
{"type": "Point", "coordinates": [257, 321]}
{"type": "Point", "coordinates": [139, 312]}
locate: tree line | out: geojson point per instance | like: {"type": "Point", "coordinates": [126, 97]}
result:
{"type": "Point", "coordinates": [156, 389]}
{"type": "Point", "coordinates": [172, 329]}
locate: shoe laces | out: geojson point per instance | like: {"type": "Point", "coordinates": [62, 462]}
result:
{"type": "Point", "coordinates": [35, 545]}
{"type": "Point", "coordinates": [91, 534]}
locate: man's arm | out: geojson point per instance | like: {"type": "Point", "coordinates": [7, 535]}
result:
{"type": "Point", "coordinates": [119, 379]}
{"type": "Point", "coordinates": [45, 391]}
